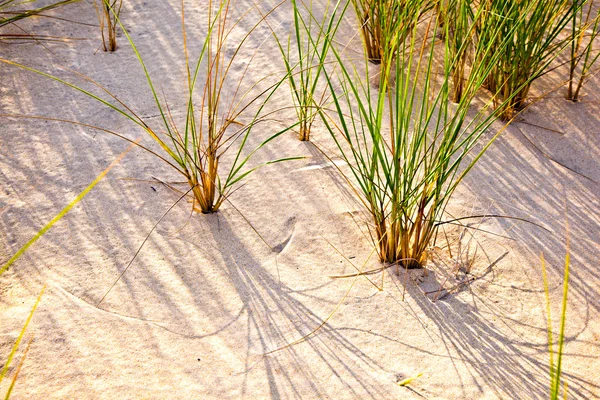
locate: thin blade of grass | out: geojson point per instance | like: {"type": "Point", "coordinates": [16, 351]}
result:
{"type": "Point", "coordinates": [64, 211]}
{"type": "Point", "coordinates": [18, 341]}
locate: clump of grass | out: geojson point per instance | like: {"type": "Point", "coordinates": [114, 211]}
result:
{"type": "Point", "coordinates": [211, 128]}
{"type": "Point", "coordinates": [408, 146]}
{"type": "Point", "coordinates": [556, 357]}
{"type": "Point", "coordinates": [384, 24]}
{"type": "Point", "coordinates": [311, 47]}
{"type": "Point", "coordinates": [584, 30]}
{"type": "Point", "coordinates": [108, 12]}
{"type": "Point", "coordinates": [459, 28]}
{"type": "Point", "coordinates": [536, 26]}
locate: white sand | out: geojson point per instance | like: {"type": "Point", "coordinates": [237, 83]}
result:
{"type": "Point", "coordinates": [206, 299]}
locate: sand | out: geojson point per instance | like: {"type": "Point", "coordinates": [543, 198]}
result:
{"type": "Point", "coordinates": [208, 310]}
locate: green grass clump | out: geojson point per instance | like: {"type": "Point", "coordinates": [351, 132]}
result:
{"type": "Point", "coordinates": [407, 144]}
{"type": "Point", "coordinates": [584, 31]}
{"type": "Point", "coordinates": [457, 25]}
{"type": "Point", "coordinates": [535, 28]}
{"type": "Point", "coordinates": [311, 41]}
{"type": "Point", "coordinates": [385, 23]}
{"type": "Point", "coordinates": [212, 126]}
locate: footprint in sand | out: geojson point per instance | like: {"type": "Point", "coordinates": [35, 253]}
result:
{"type": "Point", "coordinates": [289, 226]}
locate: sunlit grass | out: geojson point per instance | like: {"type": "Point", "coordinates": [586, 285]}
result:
{"type": "Point", "coordinates": [535, 28]}
{"type": "Point", "coordinates": [584, 30]}
{"type": "Point", "coordinates": [384, 24]}
{"type": "Point", "coordinates": [556, 355]}
{"type": "Point", "coordinates": [310, 46]}
{"type": "Point", "coordinates": [407, 144]}
{"type": "Point", "coordinates": [213, 126]}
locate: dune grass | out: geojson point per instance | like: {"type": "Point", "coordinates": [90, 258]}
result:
{"type": "Point", "coordinates": [384, 24]}
{"type": "Point", "coordinates": [213, 125]}
{"type": "Point", "coordinates": [407, 145]}
{"type": "Point", "coordinates": [108, 12]}
{"type": "Point", "coordinates": [458, 26]}
{"type": "Point", "coordinates": [536, 42]}
{"type": "Point", "coordinates": [584, 31]}
{"type": "Point", "coordinates": [305, 57]}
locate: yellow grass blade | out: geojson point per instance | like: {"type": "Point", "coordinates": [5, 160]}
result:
{"type": "Point", "coordinates": [18, 342]}
{"type": "Point", "coordinates": [407, 381]}
{"type": "Point", "coordinates": [65, 210]}
{"type": "Point", "coordinates": [18, 371]}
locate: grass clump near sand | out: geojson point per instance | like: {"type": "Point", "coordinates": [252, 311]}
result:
{"type": "Point", "coordinates": [407, 145]}
{"type": "Point", "coordinates": [383, 23]}
{"type": "Point", "coordinates": [108, 12]}
{"type": "Point", "coordinates": [535, 28]}
{"type": "Point", "coordinates": [456, 24]}
{"type": "Point", "coordinates": [584, 31]}
{"type": "Point", "coordinates": [406, 142]}
{"type": "Point", "coordinates": [213, 125]}
{"type": "Point", "coordinates": [311, 41]}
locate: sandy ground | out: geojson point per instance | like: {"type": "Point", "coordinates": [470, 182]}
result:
{"type": "Point", "coordinates": [206, 299]}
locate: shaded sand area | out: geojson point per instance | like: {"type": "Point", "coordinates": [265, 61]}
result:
{"type": "Point", "coordinates": [208, 308]}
